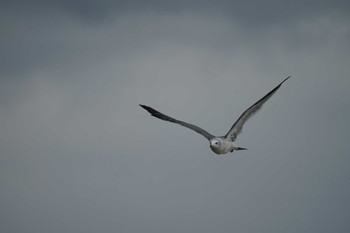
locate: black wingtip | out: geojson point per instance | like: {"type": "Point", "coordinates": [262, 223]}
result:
{"type": "Point", "coordinates": [279, 85]}
{"type": "Point", "coordinates": [152, 111]}
{"type": "Point", "coordinates": [145, 107]}
{"type": "Point", "coordinates": [285, 80]}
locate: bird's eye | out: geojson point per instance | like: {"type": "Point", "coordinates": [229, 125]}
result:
{"type": "Point", "coordinates": [216, 143]}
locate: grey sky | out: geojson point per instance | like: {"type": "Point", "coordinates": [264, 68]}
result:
{"type": "Point", "coordinates": [77, 153]}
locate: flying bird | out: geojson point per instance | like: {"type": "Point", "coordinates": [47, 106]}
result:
{"type": "Point", "coordinates": [220, 144]}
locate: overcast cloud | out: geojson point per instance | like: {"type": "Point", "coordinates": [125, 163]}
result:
{"type": "Point", "coordinates": [77, 153]}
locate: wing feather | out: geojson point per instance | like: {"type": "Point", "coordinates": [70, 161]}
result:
{"type": "Point", "coordinates": [236, 129]}
{"type": "Point", "coordinates": [164, 117]}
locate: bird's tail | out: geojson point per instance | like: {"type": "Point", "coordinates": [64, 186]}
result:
{"type": "Point", "coordinates": [241, 148]}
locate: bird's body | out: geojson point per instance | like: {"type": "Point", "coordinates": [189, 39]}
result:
{"type": "Point", "coordinates": [222, 144]}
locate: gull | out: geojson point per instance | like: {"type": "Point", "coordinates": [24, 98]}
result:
{"type": "Point", "coordinates": [221, 144]}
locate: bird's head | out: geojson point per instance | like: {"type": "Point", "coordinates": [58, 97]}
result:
{"type": "Point", "coordinates": [215, 142]}
{"type": "Point", "coordinates": [215, 145]}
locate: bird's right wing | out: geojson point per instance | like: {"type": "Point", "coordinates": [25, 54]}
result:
{"type": "Point", "coordinates": [164, 117]}
{"type": "Point", "coordinates": [236, 129]}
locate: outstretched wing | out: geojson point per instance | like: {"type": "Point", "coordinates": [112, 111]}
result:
{"type": "Point", "coordinates": [163, 117]}
{"type": "Point", "coordinates": [236, 129]}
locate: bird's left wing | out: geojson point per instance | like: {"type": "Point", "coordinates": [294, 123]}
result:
{"type": "Point", "coordinates": [164, 117]}
{"type": "Point", "coordinates": [236, 129]}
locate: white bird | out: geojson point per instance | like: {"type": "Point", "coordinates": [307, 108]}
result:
{"type": "Point", "coordinates": [221, 144]}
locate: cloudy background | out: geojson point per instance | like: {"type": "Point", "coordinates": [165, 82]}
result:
{"type": "Point", "coordinates": [77, 153]}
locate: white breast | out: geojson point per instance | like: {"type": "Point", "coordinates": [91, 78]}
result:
{"type": "Point", "coordinates": [225, 147]}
